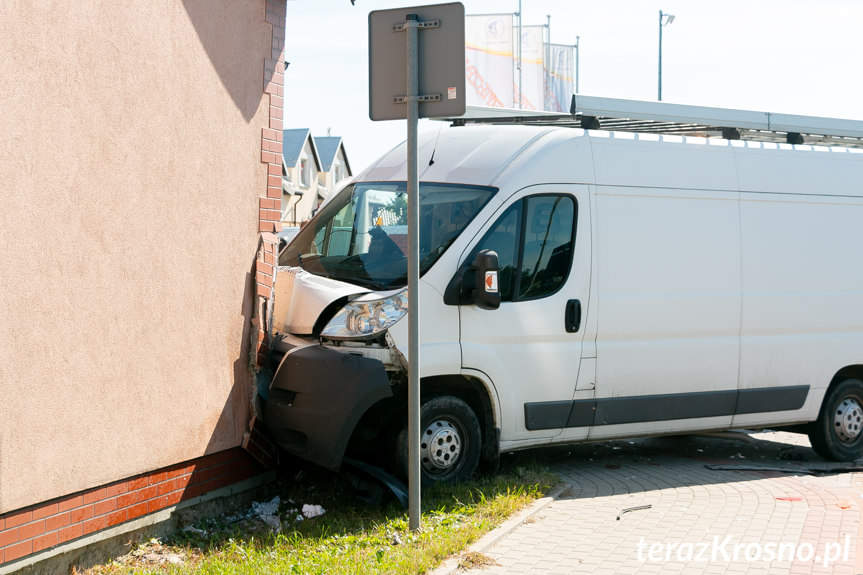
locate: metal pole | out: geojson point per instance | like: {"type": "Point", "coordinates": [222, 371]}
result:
{"type": "Point", "coordinates": [659, 95]}
{"type": "Point", "coordinates": [414, 471]}
{"type": "Point", "coordinates": [547, 65]}
{"type": "Point", "coordinates": [519, 54]}
{"type": "Point", "coordinates": [577, 50]}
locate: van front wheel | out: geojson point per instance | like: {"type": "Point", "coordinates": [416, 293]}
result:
{"type": "Point", "coordinates": [837, 434]}
{"type": "Point", "coordinates": [450, 441]}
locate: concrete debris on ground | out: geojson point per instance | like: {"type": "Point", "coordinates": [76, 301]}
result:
{"type": "Point", "coordinates": [270, 507]}
{"type": "Point", "coordinates": [310, 511]}
{"type": "Point", "coordinates": [268, 513]}
{"type": "Point", "coordinates": [275, 514]}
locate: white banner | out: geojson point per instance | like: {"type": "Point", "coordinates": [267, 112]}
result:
{"type": "Point", "coordinates": [532, 73]}
{"type": "Point", "coordinates": [488, 60]}
{"type": "Point", "coordinates": [560, 86]}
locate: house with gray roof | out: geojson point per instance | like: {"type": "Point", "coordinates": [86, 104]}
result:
{"type": "Point", "coordinates": [334, 164]}
{"type": "Point", "coordinates": [312, 168]}
{"type": "Point", "coordinates": [300, 167]}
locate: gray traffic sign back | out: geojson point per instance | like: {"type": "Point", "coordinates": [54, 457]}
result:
{"type": "Point", "coordinates": [441, 62]}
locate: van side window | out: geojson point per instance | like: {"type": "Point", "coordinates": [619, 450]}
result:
{"type": "Point", "coordinates": [547, 251]}
{"type": "Point", "coordinates": [503, 238]}
{"type": "Point", "coordinates": [534, 244]}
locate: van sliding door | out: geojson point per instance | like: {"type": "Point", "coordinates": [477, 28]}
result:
{"type": "Point", "coordinates": [668, 277]}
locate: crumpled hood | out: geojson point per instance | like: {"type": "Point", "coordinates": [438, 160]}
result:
{"type": "Point", "coordinates": [300, 297]}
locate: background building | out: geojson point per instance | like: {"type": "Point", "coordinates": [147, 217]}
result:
{"type": "Point", "coordinates": [312, 169]}
{"type": "Point", "coordinates": [300, 169]}
{"type": "Point", "coordinates": [334, 163]}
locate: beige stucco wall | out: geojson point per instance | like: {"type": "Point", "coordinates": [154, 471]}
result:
{"type": "Point", "coordinates": [130, 150]}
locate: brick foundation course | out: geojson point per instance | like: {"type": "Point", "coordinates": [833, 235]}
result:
{"type": "Point", "coordinates": [42, 526]}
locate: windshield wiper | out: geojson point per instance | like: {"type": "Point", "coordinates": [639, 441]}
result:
{"type": "Point", "coordinates": [352, 261]}
{"type": "Point", "coordinates": [371, 284]}
{"type": "Point", "coordinates": [362, 282]}
{"type": "Point", "coordinates": [350, 279]}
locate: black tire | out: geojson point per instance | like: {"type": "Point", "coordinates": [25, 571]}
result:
{"type": "Point", "coordinates": [837, 434]}
{"type": "Point", "coordinates": [450, 441]}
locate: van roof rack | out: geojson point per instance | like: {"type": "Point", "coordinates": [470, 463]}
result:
{"type": "Point", "coordinates": [594, 113]}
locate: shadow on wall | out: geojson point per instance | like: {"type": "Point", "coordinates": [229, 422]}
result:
{"type": "Point", "coordinates": [234, 35]}
{"type": "Point", "coordinates": [234, 420]}
{"type": "Point", "coordinates": [230, 55]}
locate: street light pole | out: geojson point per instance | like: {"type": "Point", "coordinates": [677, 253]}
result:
{"type": "Point", "coordinates": [664, 20]}
{"type": "Point", "coordinates": [546, 65]}
{"type": "Point", "coordinates": [577, 40]}
{"type": "Point", "coordinates": [519, 54]}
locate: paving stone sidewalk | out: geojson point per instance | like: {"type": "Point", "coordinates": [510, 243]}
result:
{"type": "Point", "coordinates": [655, 506]}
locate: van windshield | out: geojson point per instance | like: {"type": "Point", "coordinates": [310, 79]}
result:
{"type": "Point", "coordinates": [361, 236]}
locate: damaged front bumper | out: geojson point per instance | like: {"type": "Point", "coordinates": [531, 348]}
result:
{"type": "Point", "coordinates": [316, 399]}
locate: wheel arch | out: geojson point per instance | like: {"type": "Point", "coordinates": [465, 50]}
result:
{"type": "Point", "coordinates": [479, 397]}
{"type": "Point", "coordinates": [855, 371]}
{"type": "Point", "coordinates": [386, 415]}
{"type": "Point", "coordinates": [470, 389]}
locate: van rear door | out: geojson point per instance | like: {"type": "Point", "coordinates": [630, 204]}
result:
{"type": "Point", "coordinates": [668, 284]}
{"type": "Point", "coordinates": [531, 346]}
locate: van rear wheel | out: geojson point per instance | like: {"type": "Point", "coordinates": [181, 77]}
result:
{"type": "Point", "coordinates": [450, 441]}
{"type": "Point", "coordinates": [837, 434]}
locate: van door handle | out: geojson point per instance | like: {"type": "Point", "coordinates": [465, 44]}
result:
{"type": "Point", "coordinates": [573, 315]}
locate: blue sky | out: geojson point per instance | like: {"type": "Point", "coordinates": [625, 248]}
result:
{"type": "Point", "coordinates": [792, 56]}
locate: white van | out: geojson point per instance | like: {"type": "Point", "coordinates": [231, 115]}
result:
{"type": "Point", "coordinates": [647, 284]}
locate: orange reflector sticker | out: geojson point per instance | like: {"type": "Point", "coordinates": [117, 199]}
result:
{"type": "Point", "coordinates": [491, 282]}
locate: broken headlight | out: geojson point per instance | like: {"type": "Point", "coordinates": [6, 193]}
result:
{"type": "Point", "coordinates": [366, 317]}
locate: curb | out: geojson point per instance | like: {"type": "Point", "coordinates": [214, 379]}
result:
{"type": "Point", "coordinates": [450, 564]}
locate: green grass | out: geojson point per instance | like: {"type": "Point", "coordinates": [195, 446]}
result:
{"type": "Point", "coordinates": [352, 536]}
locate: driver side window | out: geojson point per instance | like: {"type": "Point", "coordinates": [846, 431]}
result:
{"type": "Point", "coordinates": [534, 241]}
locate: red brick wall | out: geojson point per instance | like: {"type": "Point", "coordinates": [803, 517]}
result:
{"type": "Point", "coordinates": [256, 441]}
{"type": "Point", "coordinates": [45, 525]}
{"type": "Point", "coordinates": [271, 155]}
{"type": "Point", "coordinates": [271, 135]}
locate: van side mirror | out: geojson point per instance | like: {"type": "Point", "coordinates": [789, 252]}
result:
{"type": "Point", "coordinates": [486, 295]}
